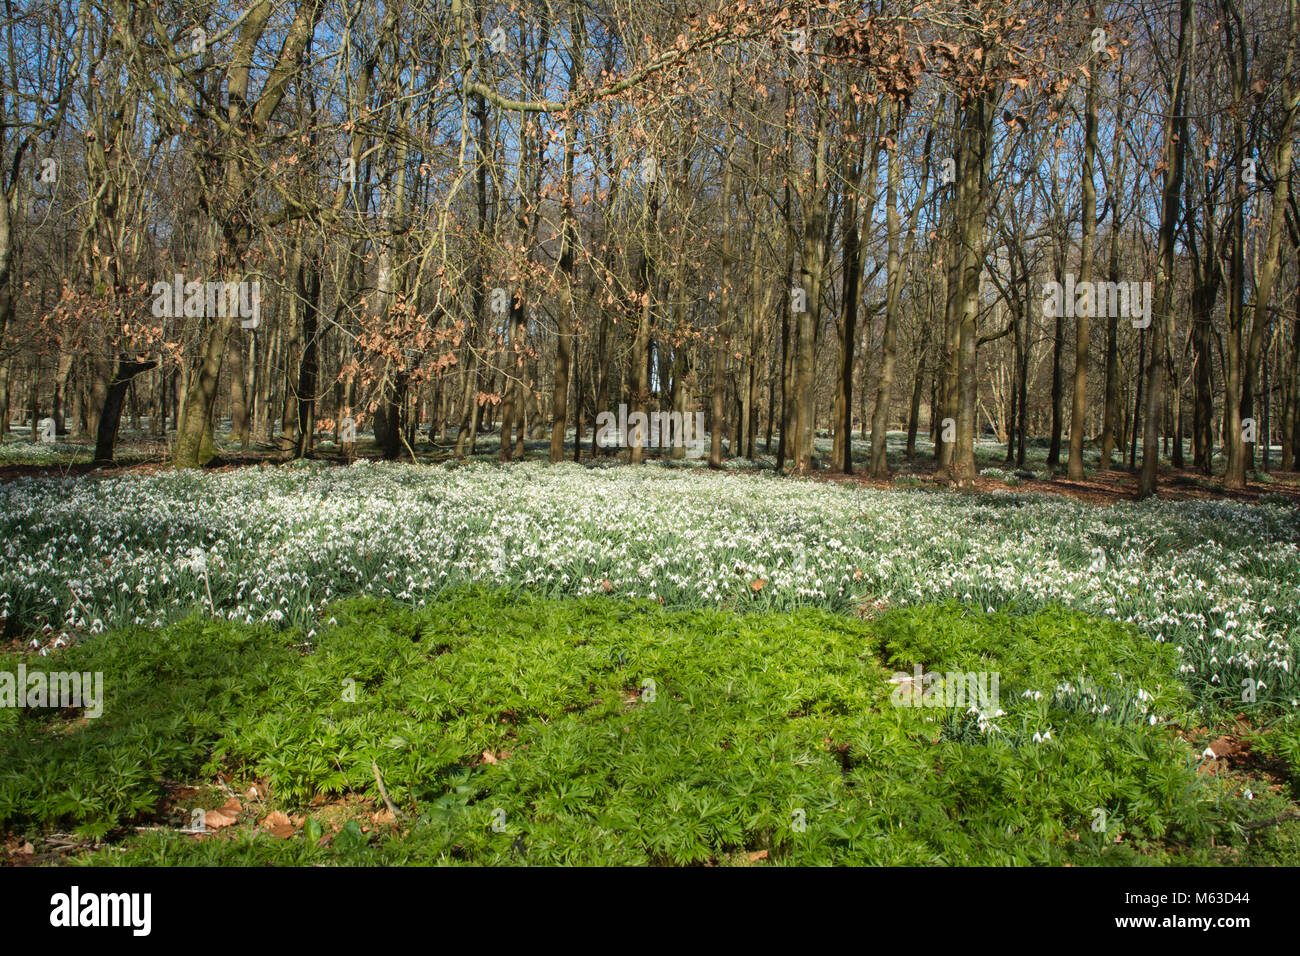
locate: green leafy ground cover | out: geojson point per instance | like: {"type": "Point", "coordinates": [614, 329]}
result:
{"type": "Point", "coordinates": [512, 728]}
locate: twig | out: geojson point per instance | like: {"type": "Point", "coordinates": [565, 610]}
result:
{"type": "Point", "coordinates": [1272, 821]}
{"type": "Point", "coordinates": [78, 600]}
{"type": "Point", "coordinates": [397, 814]}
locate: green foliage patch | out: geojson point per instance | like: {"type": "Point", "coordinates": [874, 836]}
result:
{"type": "Point", "coordinates": [512, 728]}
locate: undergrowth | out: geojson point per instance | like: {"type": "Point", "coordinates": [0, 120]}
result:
{"type": "Point", "coordinates": [510, 728]}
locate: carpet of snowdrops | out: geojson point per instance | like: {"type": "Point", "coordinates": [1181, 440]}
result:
{"type": "Point", "coordinates": [1221, 581]}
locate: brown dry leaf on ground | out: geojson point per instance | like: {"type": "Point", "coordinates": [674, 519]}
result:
{"type": "Point", "coordinates": [757, 855]}
{"type": "Point", "coordinates": [216, 819]}
{"type": "Point", "coordinates": [278, 825]}
{"type": "Point", "coordinates": [225, 815]}
{"type": "Point", "coordinates": [1227, 747]}
{"type": "Point", "coordinates": [258, 791]}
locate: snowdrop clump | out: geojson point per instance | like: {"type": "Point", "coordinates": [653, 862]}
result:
{"type": "Point", "coordinates": [1218, 580]}
{"type": "Point", "coordinates": [43, 453]}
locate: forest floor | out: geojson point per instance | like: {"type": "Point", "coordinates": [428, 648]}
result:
{"type": "Point", "coordinates": [515, 729]}
{"type": "Point", "coordinates": [1103, 487]}
{"type": "Point", "coordinates": [537, 663]}
{"type": "Point", "coordinates": [139, 454]}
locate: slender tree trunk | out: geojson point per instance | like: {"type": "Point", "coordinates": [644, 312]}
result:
{"type": "Point", "coordinates": [894, 280]}
{"type": "Point", "coordinates": [1079, 405]}
{"type": "Point", "coordinates": [811, 270]}
{"type": "Point", "coordinates": [1268, 266]}
{"type": "Point", "coordinates": [1175, 143]}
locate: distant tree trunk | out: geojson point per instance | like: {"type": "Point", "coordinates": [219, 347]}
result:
{"type": "Point", "coordinates": [308, 293]}
{"type": "Point", "coordinates": [1079, 405]}
{"type": "Point", "coordinates": [1058, 348]}
{"type": "Point", "coordinates": [976, 135]}
{"type": "Point", "coordinates": [1268, 266]}
{"type": "Point", "coordinates": [722, 343]}
{"type": "Point", "coordinates": [62, 371]}
{"type": "Point", "coordinates": [852, 260]}
{"type": "Point", "coordinates": [783, 449]}
{"type": "Point", "coordinates": [602, 375]}
{"type": "Point", "coordinates": [893, 294]}
{"type": "Point", "coordinates": [568, 239]}
{"type": "Point", "coordinates": [239, 412]}
{"type": "Point", "coordinates": [1291, 395]}
{"type": "Point", "coordinates": [811, 269]}
{"type": "Point", "coordinates": [4, 399]}
{"type": "Point", "coordinates": [1175, 144]}
{"type": "Point", "coordinates": [1112, 409]}
{"type": "Point", "coordinates": [645, 288]}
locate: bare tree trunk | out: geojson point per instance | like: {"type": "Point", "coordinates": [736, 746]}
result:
{"type": "Point", "coordinates": [111, 416]}
{"type": "Point", "coordinates": [722, 344]}
{"type": "Point", "coordinates": [1268, 266]}
{"type": "Point", "coordinates": [811, 269]}
{"type": "Point", "coordinates": [1079, 406]}
{"type": "Point", "coordinates": [645, 288]}
{"type": "Point", "coordinates": [1175, 141]}
{"type": "Point", "coordinates": [308, 293]}
{"type": "Point", "coordinates": [889, 345]}
{"type": "Point", "coordinates": [973, 168]}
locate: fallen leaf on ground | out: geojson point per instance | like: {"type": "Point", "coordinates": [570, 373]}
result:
{"type": "Point", "coordinates": [1226, 747]}
{"type": "Point", "coordinates": [278, 825]}
{"type": "Point", "coordinates": [216, 819]}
